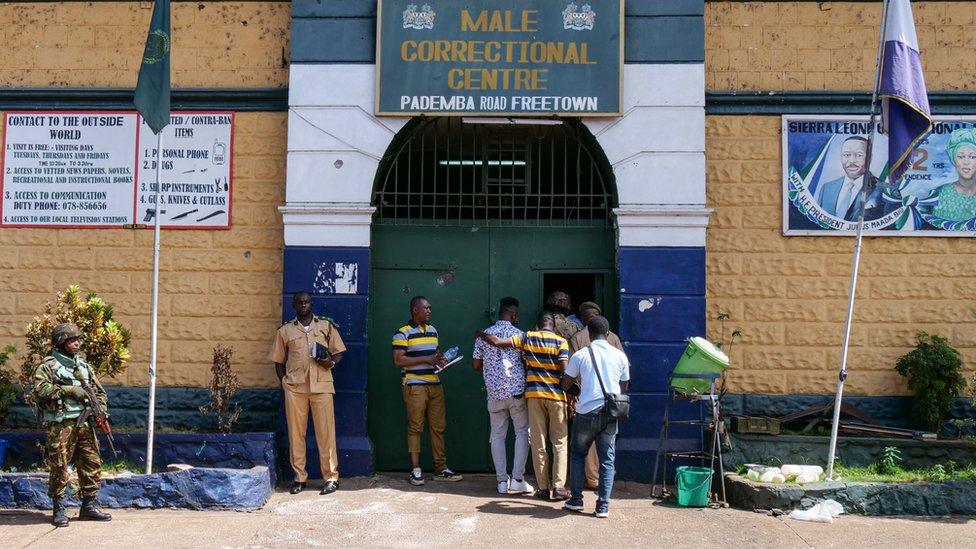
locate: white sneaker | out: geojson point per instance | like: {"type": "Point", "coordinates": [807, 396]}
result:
{"type": "Point", "coordinates": [503, 487]}
{"type": "Point", "coordinates": [519, 487]}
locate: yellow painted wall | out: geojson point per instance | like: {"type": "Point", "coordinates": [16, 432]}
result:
{"type": "Point", "coordinates": [100, 44]}
{"type": "Point", "coordinates": [788, 294]}
{"type": "Point", "coordinates": [216, 286]}
{"type": "Point", "coordinates": [775, 46]}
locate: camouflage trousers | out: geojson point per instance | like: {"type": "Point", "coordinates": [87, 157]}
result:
{"type": "Point", "coordinates": [69, 444]}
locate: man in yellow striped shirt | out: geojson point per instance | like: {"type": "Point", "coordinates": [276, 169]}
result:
{"type": "Point", "coordinates": [546, 355]}
{"type": "Point", "coordinates": [415, 352]}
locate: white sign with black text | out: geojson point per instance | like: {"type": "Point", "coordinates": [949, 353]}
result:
{"type": "Point", "coordinates": [195, 180]}
{"type": "Point", "coordinates": [98, 170]}
{"type": "Point", "coordinates": [68, 169]}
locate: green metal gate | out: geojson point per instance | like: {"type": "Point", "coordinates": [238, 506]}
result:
{"type": "Point", "coordinates": [468, 214]}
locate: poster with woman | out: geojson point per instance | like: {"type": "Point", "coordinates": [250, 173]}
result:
{"type": "Point", "coordinates": [825, 173]}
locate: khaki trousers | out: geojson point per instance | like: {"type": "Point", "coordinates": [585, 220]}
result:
{"type": "Point", "coordinates": [426, 402]}
{"type": "Point", "coordinates": [297, 405]}
{"type": "Point", "coordinates": [592, 467]}
{"type": "Point", "coordinates": [548, 424]}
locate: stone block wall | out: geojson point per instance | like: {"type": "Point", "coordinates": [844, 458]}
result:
{"type": "Point", "coordinates": [811, 46]}
{"type": "Point", "coordinates": [789, 294]}
{"type": "Point", "coordinates": [216, 286]}
{"type": "Point", "coordinates": [100, 44]}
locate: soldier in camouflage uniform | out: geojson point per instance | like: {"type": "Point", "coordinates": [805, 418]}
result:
{"type": "Point", "coordinates": [561, 307]}
{"type": "Point", "coordinates": [57, 390]}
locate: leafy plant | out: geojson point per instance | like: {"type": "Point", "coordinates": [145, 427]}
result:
{"type": "Point", "coordinates": [890, 461]}
{"type": "Point", "coordinates": [736, 334]}
{"type": "Point", "coordinates": [7, 391]}
{"type": "Point", "coordinates": [934, 372]}
{"type": "Point", "coordinates": [104, 342]}
{"type": "Point", "coordinates": [223, 386]}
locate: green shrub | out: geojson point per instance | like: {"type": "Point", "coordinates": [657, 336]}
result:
{"type": "Point", "coordinates": [7, 392]}
{"type": "Point", "coordinates": [934, 372]}
{"type": "Point", "coordinates": [104, 342]}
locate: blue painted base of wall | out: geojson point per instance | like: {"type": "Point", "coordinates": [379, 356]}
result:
{"type": "Point", "coordinates": [324, 271]}
{"type": "Point", "coordinates": [177, 409]}
{"type": "Point", "coordinates": [662, 303]}
{"type": "Point", "coordinates": [233, 451]}
{"type": "Point", "coordinates": [894, 411]}
{"type": "Point", "coordinates": [197, 488]}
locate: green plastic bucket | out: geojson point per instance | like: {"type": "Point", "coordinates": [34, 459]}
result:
{"type": "Point", "coordinates": [693, 485]}
{"type": "Point", "coordinates": [699, 357]}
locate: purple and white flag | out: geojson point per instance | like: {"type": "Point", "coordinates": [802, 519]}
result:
{"type": "Point", "coordinates": [904, 101]}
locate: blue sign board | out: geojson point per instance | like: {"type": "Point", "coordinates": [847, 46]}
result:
{"type": "Point", "coordinates": [504, 57]}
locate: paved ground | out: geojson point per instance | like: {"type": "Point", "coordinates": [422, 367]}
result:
{"type": "Point", "coordinates": [386, 511]}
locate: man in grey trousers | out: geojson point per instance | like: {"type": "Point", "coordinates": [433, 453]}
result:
{"type": "Point", "coordinates": [504, 374]}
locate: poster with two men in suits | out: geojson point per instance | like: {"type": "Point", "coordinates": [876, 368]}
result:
{"type": "Point", "coordinates": [824, 171]}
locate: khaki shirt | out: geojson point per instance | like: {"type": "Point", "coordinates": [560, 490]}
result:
{"type": "Point", "coordinates": [292, 347]}
{"type": "Point", "coordinates": [582, 339]}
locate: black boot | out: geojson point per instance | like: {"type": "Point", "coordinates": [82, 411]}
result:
{"type": "Point", "coordinates": [90, 512]}
{"type": "Point", "coordinates": [60, 515]}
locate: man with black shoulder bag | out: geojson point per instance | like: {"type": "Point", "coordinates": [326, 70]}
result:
{"type": "Point", "coordinates": [604, 373]}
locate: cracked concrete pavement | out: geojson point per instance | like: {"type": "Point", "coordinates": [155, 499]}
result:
{"type": "Point", "coordinates": [386, 511]}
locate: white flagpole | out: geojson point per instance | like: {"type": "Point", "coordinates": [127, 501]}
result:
{"type": "Point", "coordinates": [154, 308]}
{"type": "Point", "coordinates": [865, 187]}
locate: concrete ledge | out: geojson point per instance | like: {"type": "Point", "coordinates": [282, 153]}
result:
{"type": "Point", "coordinates": [195, 488]}
{"type": "Point", "coordinates": [954, 497]}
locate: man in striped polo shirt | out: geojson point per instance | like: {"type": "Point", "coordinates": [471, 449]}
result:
{"type": "Point", "coordinates": [546, 355]}
{"type": "Point", "coordinates": [415, 352]}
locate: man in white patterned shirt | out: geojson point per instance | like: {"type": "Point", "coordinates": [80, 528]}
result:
{"type": "Point", "coordinates": [504, 374]}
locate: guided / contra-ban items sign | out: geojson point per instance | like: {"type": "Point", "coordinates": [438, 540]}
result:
{"type": "Point", "coordinates": [68, 169]}
{"type": "Point", "coordinates": [195, 180]}
{"type": "Point", "coordinates": [98, 170]}
{"type": "Point", "coordinates": [535, 57]}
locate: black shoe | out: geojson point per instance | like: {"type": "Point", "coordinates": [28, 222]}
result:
{"type": "Point", "coordinates": [90, 512]}
{"type": "Point", "coordinates": [297, 487]}
{"type": "Point", "coordinates": [330, 486]}
{"type": "Point", "coordinates": [60, 517]}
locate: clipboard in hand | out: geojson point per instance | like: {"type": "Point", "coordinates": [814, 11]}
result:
{"type": "Point", "coordinates": [449, 364]}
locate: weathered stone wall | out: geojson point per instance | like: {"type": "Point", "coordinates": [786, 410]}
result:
{"type": "Point", "coordinates": [789, 294]}
{"type": "Point", "coordinates": [805, 46]}
{"type": "Point", "coordinates": [100, 44]}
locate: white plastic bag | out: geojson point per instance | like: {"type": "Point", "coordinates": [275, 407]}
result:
{"type": "Point", "coordinates": [825, 511]}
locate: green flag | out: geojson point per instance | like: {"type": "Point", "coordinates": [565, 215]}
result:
{"type": "Point", "coordinates": [152, 90]}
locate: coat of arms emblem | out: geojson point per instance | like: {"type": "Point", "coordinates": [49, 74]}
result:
{"type": "Point", "coordinates": [422, 19]}
{"type": "Point", "coordinates": [578, 20]}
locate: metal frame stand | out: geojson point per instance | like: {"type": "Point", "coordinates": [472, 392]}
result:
{"type": "Point", "coordinates": [712, 422]}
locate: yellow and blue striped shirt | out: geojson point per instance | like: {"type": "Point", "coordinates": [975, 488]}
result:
{"type": "Point", "coordinates": [543, 351]}
{"type": "Point", "coordinates": [417, 341]}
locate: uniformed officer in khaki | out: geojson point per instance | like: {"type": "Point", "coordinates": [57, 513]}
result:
{"type": "Point", "coordinates": [307, 383]}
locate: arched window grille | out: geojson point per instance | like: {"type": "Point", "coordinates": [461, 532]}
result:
{"type": "Point", "coordinates": [447, 171]}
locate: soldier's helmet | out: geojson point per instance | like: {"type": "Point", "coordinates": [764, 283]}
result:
{"type": "Point", "coordinates": [559, 301]}
{"type": "Point", "coordinates": [63, 332]}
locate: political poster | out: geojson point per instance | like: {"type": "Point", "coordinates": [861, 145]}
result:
{"type": "Point", "coordinates": [824, 172]}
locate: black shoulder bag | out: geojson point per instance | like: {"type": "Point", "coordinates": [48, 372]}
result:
{"type": "Point", "coordinates": [614, 406]}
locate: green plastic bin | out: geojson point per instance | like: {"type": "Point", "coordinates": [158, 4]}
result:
{"type": "Point", "coordinates": [693, 485]}
{"type": "Point", "coordinates": [699, 357]}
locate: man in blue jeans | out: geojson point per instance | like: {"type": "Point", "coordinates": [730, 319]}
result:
{"type": "Point", "coordinates": [591, 424]}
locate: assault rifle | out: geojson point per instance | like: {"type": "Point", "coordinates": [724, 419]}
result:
{"type": "Point", "coordinates": [95, 412]}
